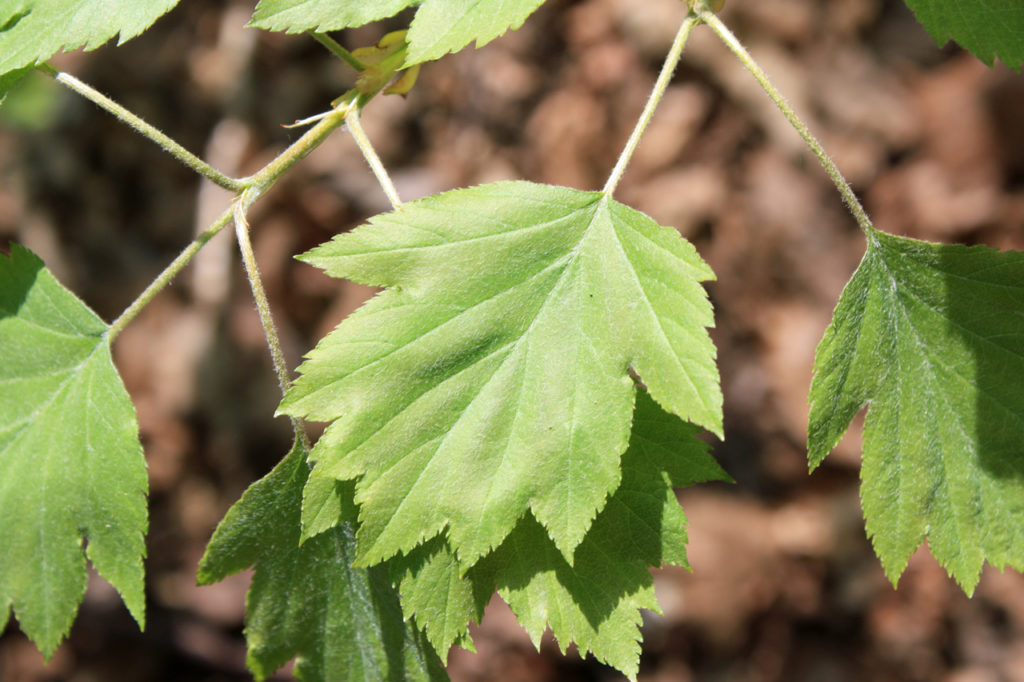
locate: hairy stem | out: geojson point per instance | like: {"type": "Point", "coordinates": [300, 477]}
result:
{"type": "Point", "coordinates": [259, 294]}
{"type": "Point", "coordinates": [164, 278]}
{"type": "Point", "coordinates": [370, 154]}
{"type": "Point", "coordinates": [145, 129]}
{"type": "Point", "coordinates": [338, 51]}
{"type": "Point", "coordinates": [310, 140]}
{"type": "Point", "coordinates": [660, 86]}
{"type": "Point", "coordinates": [727, 37]}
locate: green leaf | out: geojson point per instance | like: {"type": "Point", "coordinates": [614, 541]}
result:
{"type": "Point", "coordinates": [71, 465]}
{"type": "Point", "coordinates": [443, 26]}
{"type": "Point", "coordinates": [439, 27]}
{"type": "Point", "coordinates": [32, 31]}
{"type": "Point", "coordinates": [595, 601]}
{"type": "Point", "coordinates": [987, 28]}
{"type": "Point", "coordinates": [298, 16]}
{"type": "Point", "coordinates": [9, 80]}
{"type": "Point", "coordinates": [931, 337]}
{"type": "Point", "coordinates": [306, 601]}
{"type": "Point", "coordinates": [438, 596]}
{"type": "Point", "coordinates": [493, 376]}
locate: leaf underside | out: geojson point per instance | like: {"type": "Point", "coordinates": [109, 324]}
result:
{"type": "Point", "coordinates": [492, 377]}
{"type": "Point", "coordinates": [989, 29]}
{"type": "Point", "coordinates": [71, 464]}
{"type": "Point", "coordinates": [931, 337]}
{"type": "Point", "coordinates": [438, 27]}
{"type": "Point", "coordinates": [306, 601]}
{"type": "Point", "coordinates": [32, 31]}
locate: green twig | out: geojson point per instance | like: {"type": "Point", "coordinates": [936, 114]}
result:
{"type": "Point", "coordinates": [727, 37]}
{"type": "Point", "coordinates": [370, 154]}
{"type": "Point", "coordinates": [660, 86]}
{"type": "Point", "coordinates": [164, 278]}
{"type": "Point", "coordinates": [339, 51]}
{"type": "Point", "coordinates": [145, 129]}
{"type": "Point", "coordinates": [263, 306]}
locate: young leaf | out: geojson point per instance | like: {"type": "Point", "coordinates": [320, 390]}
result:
{"type": "Point", "coordinates": [439, 26]}
{"type": "Point", "coordinates": [987, 28]}
{"type": "Point", "coordinates": [32, 31]}
{"type": "Point", "coordinates": [306, 601]}
{"type": "Point", "coordinates": [493, 376]}
{"type": "Point", "coordinates": [71, 465]}
{"type": "Point", "coordinates": [595, 601]}
{"type": "Point", "coordinates": [931, 337]}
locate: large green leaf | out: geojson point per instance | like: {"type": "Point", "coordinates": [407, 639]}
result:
{"type": "Point", "coordinates": [988, 28]}
{"type": "Point", "coordinates": [439, 26]}
{"type": "Point", "coordinates": [71, 465]}
{"type": "Point", "coordinates": [493, 376]}
{"type": "Point", "coordinates": [594, 601]}
{"type": "Point", "coordinates": [931, 337]}
{"type": "Point", "coordinates": [307, 601]}
{"type": "Point", "coordinates": [32, 31]}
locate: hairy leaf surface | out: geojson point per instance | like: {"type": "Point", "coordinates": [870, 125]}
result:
{"type": "Point", "coordinates": [595, 601]}
{"type": "Point", "coordinates": [71, 465]}
{"type": "Point", "coordinates": [931, 337]}
{"type": "Point", "coordinates": [439, 26]}
{"type": "Point", "coordinates": [987, 28]}
{"type": "Point", "coordinates": [32, 31]}
{"type": "Point", "coordinates": [492, 377]}
{"type": "Point", "coordinates": [342, 623]}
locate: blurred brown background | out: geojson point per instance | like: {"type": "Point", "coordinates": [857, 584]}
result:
{"type": "Point", "coordinates": [784, 585]}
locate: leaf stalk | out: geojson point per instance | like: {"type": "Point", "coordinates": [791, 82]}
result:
{"type": "Point", "coordinates": [145, 129]}
{"type": "Point", "coordinates": [730, 40]}
{"type": "Point", "coordinates": [370, 154]}
{"type": "Point", "coordinates": [660, 86]}
{"type": "Point", "coordinates": [259, 294]}
{"type": "Point", "coordinates": [165, 277]}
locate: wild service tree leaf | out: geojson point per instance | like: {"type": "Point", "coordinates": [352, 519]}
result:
{"type": "Point", "coordinates": [71, 465]}
{"type": "Point", "coordinates": [987, 28]}
{"type": "Point", "coordinates": [342, 623]}
{"type": "Point", "coordinates": [439, 26]}
{"type": "Point", "coordinates": [931, 337]}
{"type": "Point", "coordinates": [493, 376]}
{"type": "Point", "coordinates": [595, 601]}
{"type": "Point", "coordinates": [32, 31]}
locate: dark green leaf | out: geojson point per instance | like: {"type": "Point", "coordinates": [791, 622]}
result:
{"type": "Point", "coordinates": [931, 337]}
{"type": "Point", "coordinates": [306, 601]}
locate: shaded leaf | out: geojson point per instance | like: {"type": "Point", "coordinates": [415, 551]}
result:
{"type": "Point", "coordinates": [307, 602]}
{"type": "Point", "coordinates": [931, 337]}
{"type": "Point", "coordinates": [987, 28]}
{"type": "Point", "coordinates": [71, 465]}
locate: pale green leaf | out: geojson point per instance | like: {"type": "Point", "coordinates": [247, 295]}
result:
{"type": "Point", "coordinates": [306, 601]}
{"type": "Point", "coordinates": [32, 31]}
{"type": "Point", "coordinates": [439, 26]}
{"type": "Point", "coordinates": [987, 28]}
{"type": "Point", "coordinates": [595, 601]}
{"type": "Point", "coordinates": [492, 377]}
{"type": "Point", "coordinates": [298, 16]}
{"type": "Point", "coordinates": [443, 26]}
{"type": "Point", "coordinates": [931, 337]}
{"type": "Point", "coordinates": [71, 465]}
